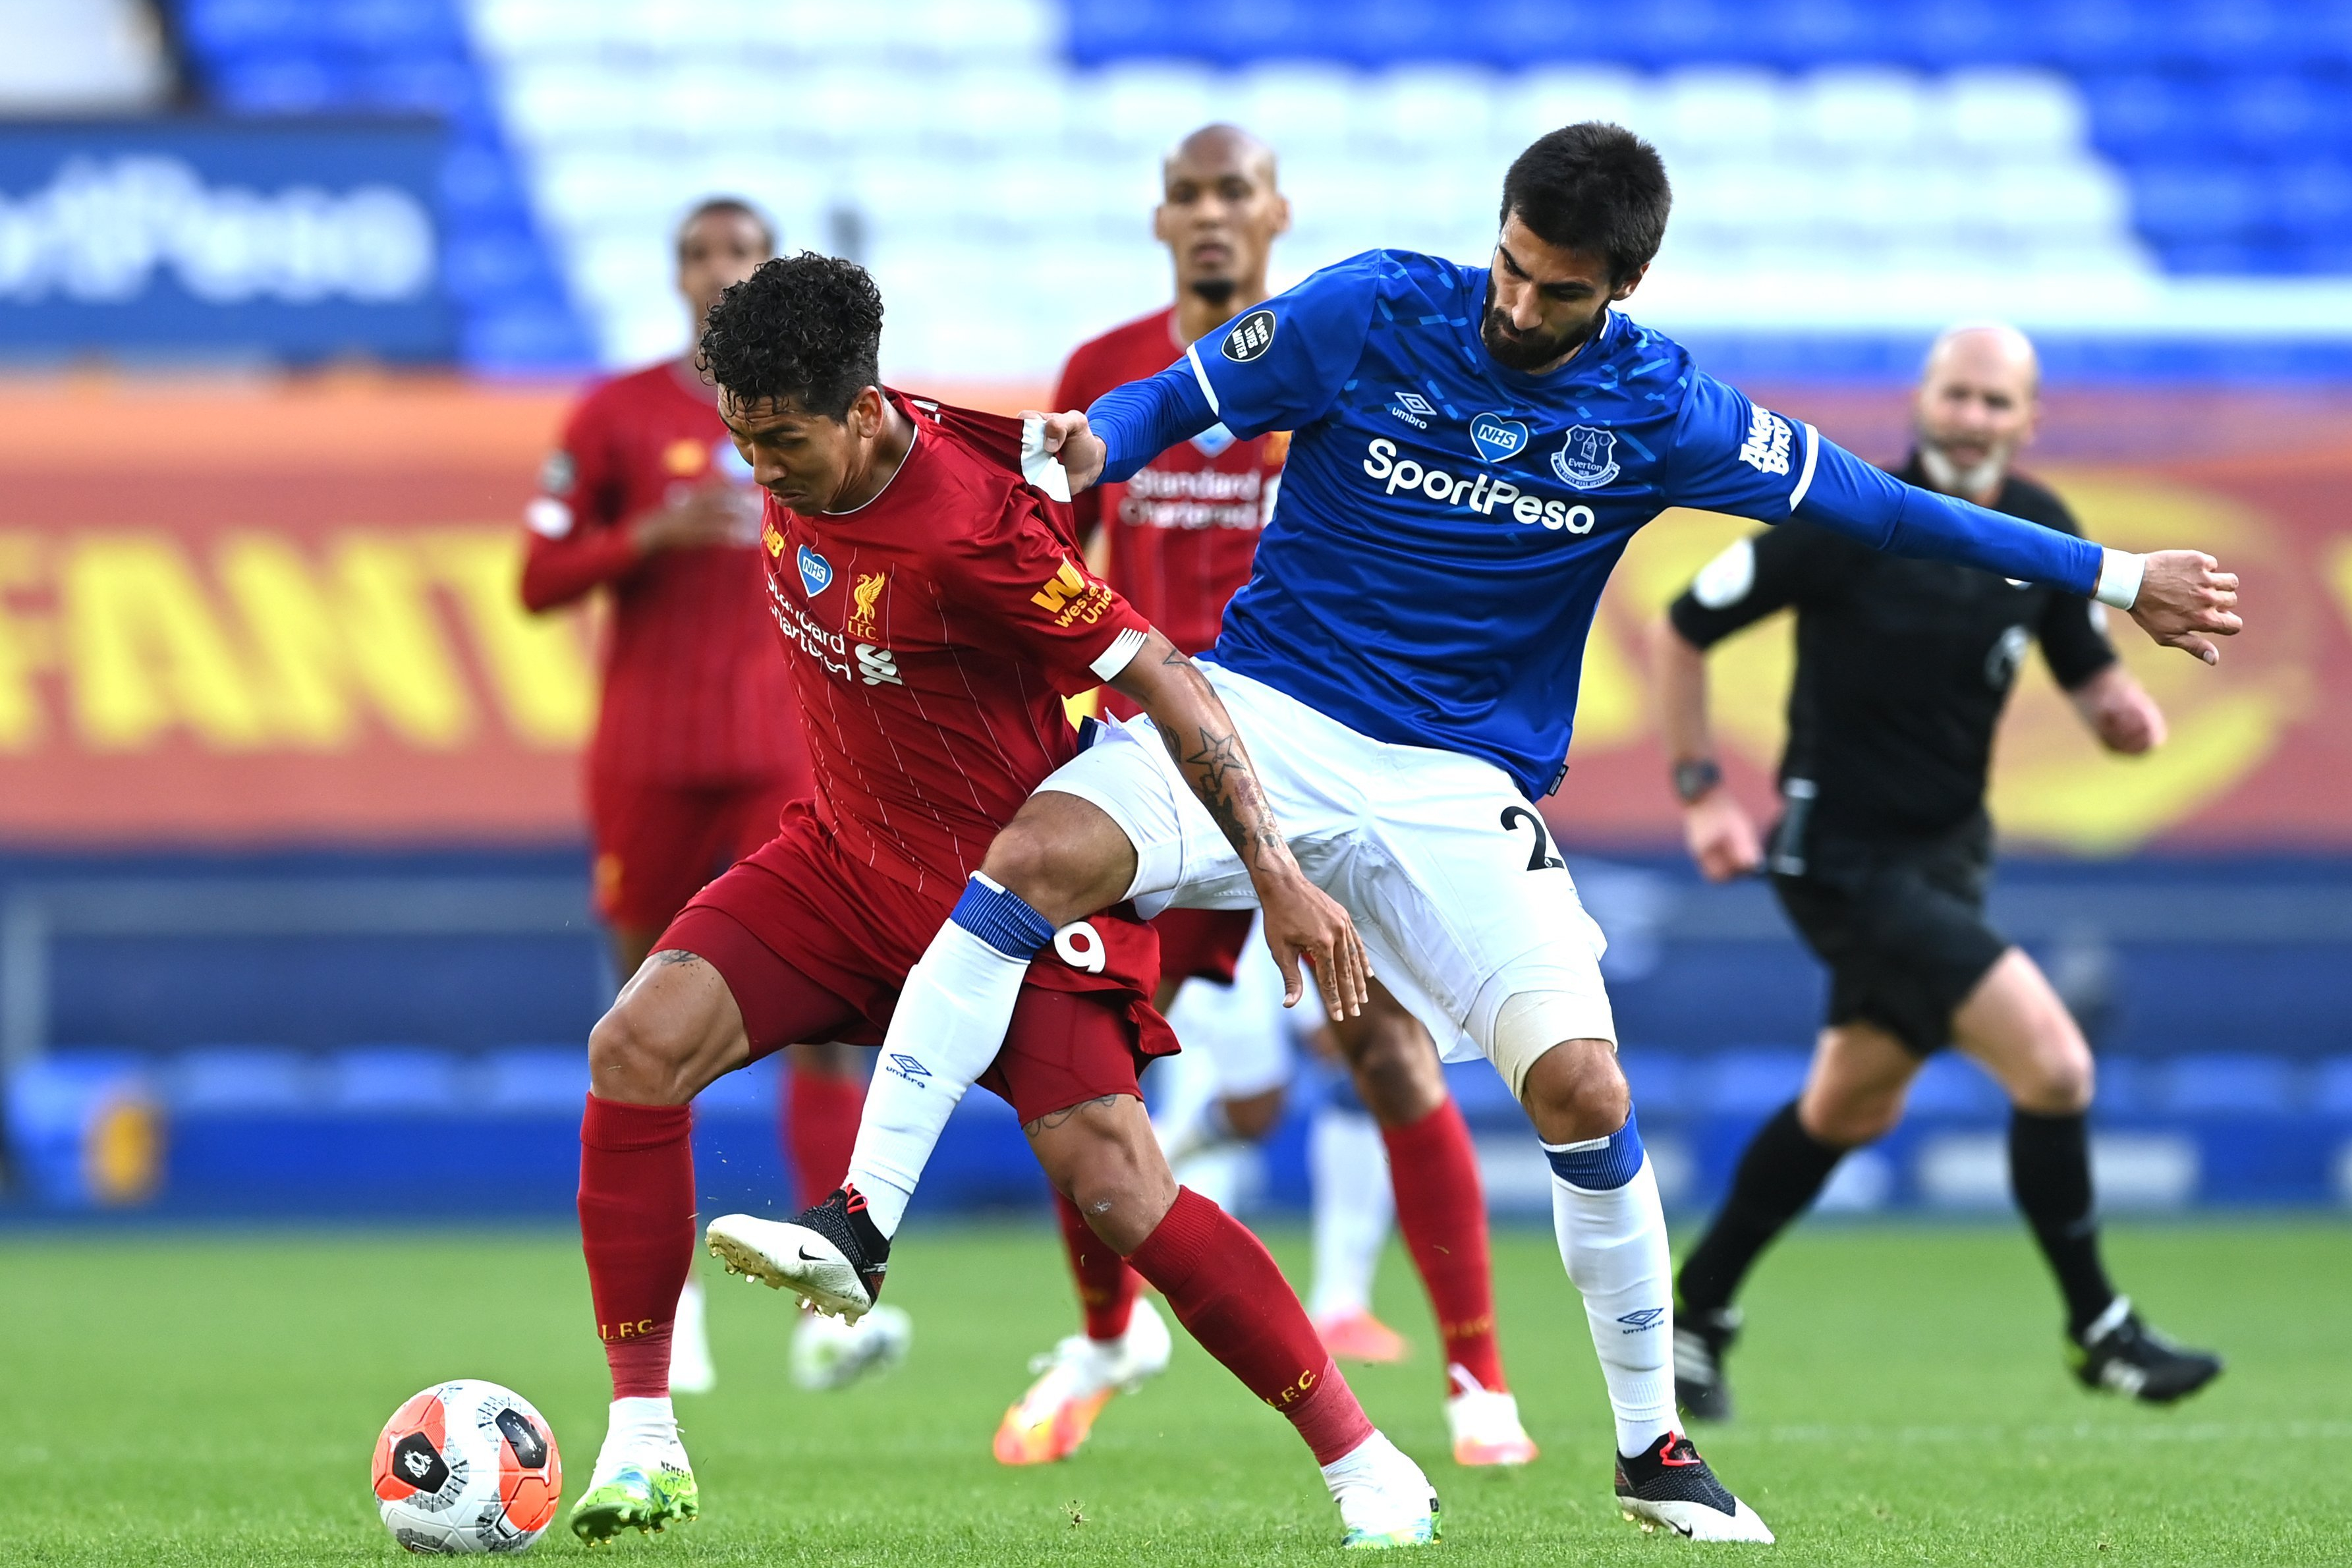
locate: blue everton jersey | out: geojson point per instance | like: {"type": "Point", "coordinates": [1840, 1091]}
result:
{"type": "Point", "coordinates": [1445, 525]}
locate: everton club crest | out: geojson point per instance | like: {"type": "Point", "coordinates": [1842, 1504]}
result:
{"type": "Point", "coordinates": [1587, 460]}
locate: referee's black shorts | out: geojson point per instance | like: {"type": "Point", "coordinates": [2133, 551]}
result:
{"type": "Point", "coordinates": [1901, 926]}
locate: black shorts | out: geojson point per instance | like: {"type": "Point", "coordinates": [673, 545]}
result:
{"type": "Point", "coordinates": [1901, 926]}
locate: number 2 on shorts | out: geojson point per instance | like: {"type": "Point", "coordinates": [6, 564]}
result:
{"type": "Point", "coordinates": [1540, 858]}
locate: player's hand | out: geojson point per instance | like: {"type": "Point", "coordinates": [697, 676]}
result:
{"type": "Point", "coordinates": [2186, 601]}
{"type": "Point", "coordinates": [2119, 711]}
{"type": "Point", "coordinates": [718, 512]}
{"type": "Point", "coordinates": [1721, 837]}
{"type": "Point", "coordinates": [1304, 922]}
{"type": "Point", "coordinates": [1069, 437]}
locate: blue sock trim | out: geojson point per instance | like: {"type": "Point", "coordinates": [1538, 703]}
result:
{"type": "Point", "coordinates": [1002, 920]}
{"type": "Point", "coordinates": [1600, 1167]}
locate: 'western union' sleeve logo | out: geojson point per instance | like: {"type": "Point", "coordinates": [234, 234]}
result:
{"type": "Point", "coordinates": [1060, 589]}
{"type": "Point", "coordinates": [1067, 596]}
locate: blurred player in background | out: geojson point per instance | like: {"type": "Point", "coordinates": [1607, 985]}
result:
{"type": "Point", "coordinates": [934, 616]}
{"type": "Point", "coordinates": [1882, 853]}
{"type": "Point", "coordinates": [1181, 532]}
{"type": "Point", "coordinates": [695, 752]}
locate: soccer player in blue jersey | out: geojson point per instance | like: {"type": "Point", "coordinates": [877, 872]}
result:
{"type": "Point", "coordinates": [1471, 450]}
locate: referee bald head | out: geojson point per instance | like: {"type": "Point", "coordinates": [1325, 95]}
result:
{"type": "Point", "coordinates": [1978, 399]}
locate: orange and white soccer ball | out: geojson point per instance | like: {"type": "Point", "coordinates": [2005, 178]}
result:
{"type": "Point", "coordinates": [464, 1468]}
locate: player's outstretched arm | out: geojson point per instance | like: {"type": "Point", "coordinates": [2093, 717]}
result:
{"type": "Point", "coordinates": [2180, 598]}
{"type": "Point", "coordinates": [1302, 921]}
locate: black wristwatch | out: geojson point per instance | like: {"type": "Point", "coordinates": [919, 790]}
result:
{"type": "Point", "coordinates": [1693, 780]}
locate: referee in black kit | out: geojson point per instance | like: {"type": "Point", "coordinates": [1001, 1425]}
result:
{"type": "Point", "coordinates": [1881, 855]}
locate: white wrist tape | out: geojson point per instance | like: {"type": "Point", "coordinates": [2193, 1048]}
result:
{"type": "Point", "coordinates": [2119, 575]}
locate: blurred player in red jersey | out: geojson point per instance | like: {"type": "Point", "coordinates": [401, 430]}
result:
{"type": "Point", "coordinates": [695, 750]}
{"type": "Point", "coordinates": [1182, 535]}
{"type": "Point", "coordinates": [934, 612]}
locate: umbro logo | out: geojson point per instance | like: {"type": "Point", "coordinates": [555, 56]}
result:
{"type": "Point", "coordinates": [1645, 1317]}
{"type": "Point", "coordinates": [1414, 409]}
{"type": "Point", "coordinates": [908, 1067]}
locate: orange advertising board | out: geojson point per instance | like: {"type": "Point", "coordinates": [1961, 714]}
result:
{"type": "Point", "coordinates": [286, 613]}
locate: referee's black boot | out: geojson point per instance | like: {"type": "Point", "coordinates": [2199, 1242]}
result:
{"type": "Point", "coordinates": [1700, 1340]}
{"type": "Point", "coordinates": [2122, 1354]}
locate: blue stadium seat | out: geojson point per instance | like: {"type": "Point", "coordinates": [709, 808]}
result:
{"type": "Point", "coordinates": [2332, 1087]}
{"type": "Point", "coordinates": [238, 1078]}
{"type": "Point", "coordinates": [2106, 35]}
{"type": "Point", "coordinates": [531, 1079]}
{"type": "Point", "coordinates": [1663, 1083]}
{"type": "Point", "coordinates": [1752, 1083]}
{"type": "Point", "coordinates": [2217, 1083]}
{"type": "Point", "coordinates": [2180, 205]}
{"type": "Point", "coordinates": [391, 1078]}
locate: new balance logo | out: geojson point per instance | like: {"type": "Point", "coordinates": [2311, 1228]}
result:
{"type": "Point", "coordinates": [908, 1067]}
{"type": "Point", "coordinates": [877, 666]}
{"type": "Point", "coordinates": [1766, 450]}
{"type": "Point", "coordinates": [1646, 1318]}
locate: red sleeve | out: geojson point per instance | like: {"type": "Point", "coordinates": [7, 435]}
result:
{"type": "Point", "coordinates": [1075, 389]}
{"type": "Point", "coordinates": [1036, 599]}
{"type": "Point", "coordinates": [575, 539]}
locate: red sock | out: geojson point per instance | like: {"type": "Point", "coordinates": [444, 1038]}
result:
{"type": "Point", "coordinates": [1106, 1284]}
{"type": "Point", "coordinates": [1224, 1288]}
{"type": "Point", "coordinates": [820, 1127]}
{"type": "Point", "coordinates": [636, 1226]}
{"type": "Point", "coordinates": [1443, 1214]}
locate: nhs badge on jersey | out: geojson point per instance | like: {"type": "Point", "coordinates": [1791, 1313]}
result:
{"type": "Point", "coordinates": [1212, 442]}
{"type": "Point", "coordinates": [816, 572]}
{"type": "Point", "coordinates": [1498, 439]}
{"type": "Point", "coordinates": [1587, 460]}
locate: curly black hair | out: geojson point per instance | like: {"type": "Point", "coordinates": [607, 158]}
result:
{"type": "Point", "coordinates": [806, 327]}
{"type": "Point", "coordinates": [1593, 186]}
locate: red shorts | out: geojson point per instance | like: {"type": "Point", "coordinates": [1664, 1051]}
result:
{"type": "Point", "coordinates": [1201, 945]}
{"type": "Point", "coordinates": [814, 946]}
{"type": "Point", "coordinates": [657, 843]}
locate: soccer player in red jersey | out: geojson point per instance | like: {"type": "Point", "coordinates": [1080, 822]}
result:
{"type": "Point", "coordinates": [1183, 534]}
{"type": "Point", "coordinates": [933, 611]}
{"type": "Point", "coordinates": [695, 750]}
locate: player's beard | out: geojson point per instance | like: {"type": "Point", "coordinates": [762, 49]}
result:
{"type": "Point", "coordinates": [1514, 351]}
{"type": "Point", "coordinates": [1978, 478]}
{"type": "Point", "coordinates": [1217, 291]}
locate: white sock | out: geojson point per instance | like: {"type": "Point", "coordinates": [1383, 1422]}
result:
{"type": "Point", "coordinates": [949, 1026]}
{"type": "Point", "coordinates": [1354, 1207]}
{"type": "Point", "coordinates": [636, 1429]}
{"type": "Point", "coordinates": [1614, 1245]}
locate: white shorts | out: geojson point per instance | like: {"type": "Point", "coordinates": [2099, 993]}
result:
{"type": "Point", "coordinates": [1446, 866]}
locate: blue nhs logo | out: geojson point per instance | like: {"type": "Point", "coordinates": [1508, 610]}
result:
{"type": "Point", "coordinates": [1496, 438]}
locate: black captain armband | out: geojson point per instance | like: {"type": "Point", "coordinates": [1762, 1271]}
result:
{"type": "Point", "coordinates": [1693, 780]}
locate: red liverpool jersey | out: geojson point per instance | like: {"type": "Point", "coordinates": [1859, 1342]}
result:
{"type": "Point", "coordinates": [931, 635]}
{"type": "Point", "coordinates": [1183, 530]}
{"type": "Point", "coordinates": [693, 692]}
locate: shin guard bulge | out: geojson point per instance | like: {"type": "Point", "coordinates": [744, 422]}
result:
{"type": "Point", "coordinates": [636, 1227]}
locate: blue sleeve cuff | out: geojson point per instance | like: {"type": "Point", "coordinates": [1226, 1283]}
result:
{"type": "Point", "coordinates": [1866, 503]}
{"type": "Point", "coordinates": [1143, 418]}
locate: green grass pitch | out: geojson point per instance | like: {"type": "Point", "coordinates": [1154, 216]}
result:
{"type": "Point", "coordinates": [213, 1398]}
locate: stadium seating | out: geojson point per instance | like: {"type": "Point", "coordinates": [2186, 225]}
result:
{"type": "Point", "coordinates": [1897, 165]}
{"type": "Point", "coordinates": [403, 58]}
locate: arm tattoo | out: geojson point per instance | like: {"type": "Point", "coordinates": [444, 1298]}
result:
{"type": "Point", "coordinates": [1046, 1123]}
{"type": "Point", "coordinates": [1221, 774]}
